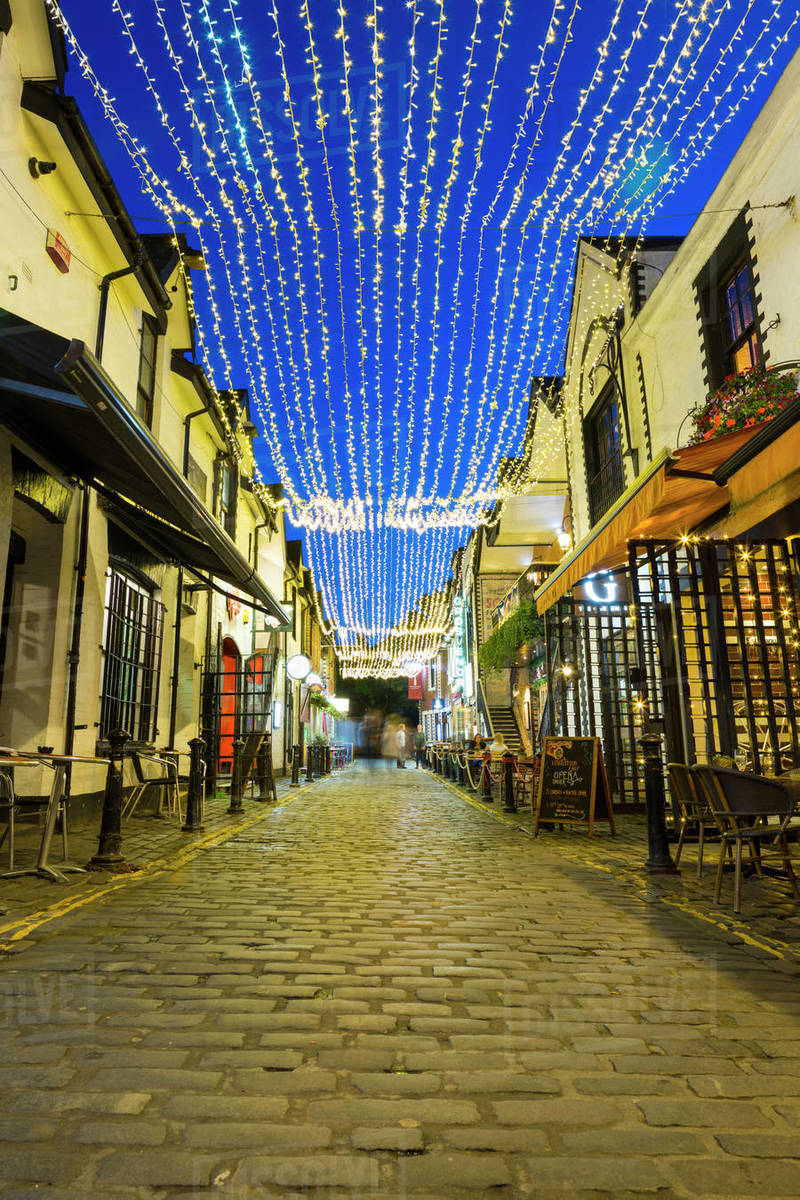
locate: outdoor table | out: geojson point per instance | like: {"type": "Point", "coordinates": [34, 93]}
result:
{"type": "Point", "coordinates": [58, 763]}
{"type": "Point", "coordinates": [9, 759]}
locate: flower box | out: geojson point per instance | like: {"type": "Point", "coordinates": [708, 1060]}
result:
{"type": "Point", "coordinates": [744, 400]}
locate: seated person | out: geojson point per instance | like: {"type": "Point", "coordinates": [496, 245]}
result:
{"type": "Point", "coordinates": [498, 747]}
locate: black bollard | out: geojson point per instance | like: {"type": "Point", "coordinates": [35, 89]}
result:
{"type": "Point", "coordinates": [309, 763]}
{"type": "Point", "coordinates": [508, 784]}
{"type": "Point", "coordinates": [109, 850]}
{"type": "Point", "coordinates": [210, 754]}
{"type": "Point", "coordinates": [236, 807]}
{"type": "Point", "coordinates": [295, 767]}
{"type": "Point", "coordinates": [486, 778]}
{"type": "Point", "coordinates": [659, 860]}
{"type": "Point", "coordinates": [266, 775]}
{"type": "Point", "coordinates": [194, 795]}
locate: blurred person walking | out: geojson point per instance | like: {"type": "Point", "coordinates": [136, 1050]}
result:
{"type": "Point", "coordinates": [419, 747]}
{"type": "Point", "coordinates": [400, 738]}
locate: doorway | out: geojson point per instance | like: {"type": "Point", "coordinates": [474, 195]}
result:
{"type": "Point", "coordinates": [228, 693]}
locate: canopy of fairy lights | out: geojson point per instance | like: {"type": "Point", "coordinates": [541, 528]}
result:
{"type": "Point", "coordinates": [387, 198]}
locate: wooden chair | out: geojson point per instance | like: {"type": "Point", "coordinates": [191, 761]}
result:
{"type": "Point", "coordinates": [693, 809]}
{"type": "Point", "coordinates": [742, 805]}
{"type": "Point", "coordinates": [525, 781]}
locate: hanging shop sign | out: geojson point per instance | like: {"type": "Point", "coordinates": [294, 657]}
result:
{"type": "Point", "coordinates": [415, 686]}
{"type": "Point", "coordinates": [573, 785]}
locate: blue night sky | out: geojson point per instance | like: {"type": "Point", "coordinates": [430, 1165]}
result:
{"type": "Point", "coordinates": [391, 387]}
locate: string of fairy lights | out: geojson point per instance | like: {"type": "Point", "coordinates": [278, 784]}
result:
{"type": "Point", "coordinates": [388, 200]}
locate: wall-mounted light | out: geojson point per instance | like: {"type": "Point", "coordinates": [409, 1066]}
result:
{"type": "Point", "coordinates": [564, 539]}
{"type": "Point", "coordinates": [277, 714]}
{"type": "Point", "coordinates": [298, 667]}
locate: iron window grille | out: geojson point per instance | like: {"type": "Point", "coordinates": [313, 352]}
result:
{"type": "Point", "coordinates": [132, 642]}
{"type": "Point", "coordinates": [722, 656]}
{"type": "Point", "coordinates": [605, 471]}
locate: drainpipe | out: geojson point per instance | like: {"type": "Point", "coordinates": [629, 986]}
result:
{"type": "Point", "coordinates": [105, 284]}
{"type": "Point", "coordinates": [74, 655]}
{"type": "Point", "coordinates": [176, 650]}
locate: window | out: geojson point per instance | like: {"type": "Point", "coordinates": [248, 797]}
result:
{"type": "Point", "coordinates": [605, 475]}
{"type": "Point", "coordinates": [147, 370]}
{"type": "Point", "coordinates": [227, 489]}
{"type": "Point", "coordinates": [739, 320]}
{"type": "Point", "coordinates": [198, 480]}
{"type": "Point", "coordinates": [726, 292]}
{"type": "Point", "coordinates": [134, 625]}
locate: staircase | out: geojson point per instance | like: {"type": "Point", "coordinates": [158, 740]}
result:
{"type": "Point", "coordinates": [504, 721]}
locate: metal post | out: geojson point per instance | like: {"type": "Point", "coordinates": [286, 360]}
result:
{"type": "Point", "coordinates": [109, 850]}
{"type": "Point", "coordinates": [236, 805]}
{"type": "Point", "coordinates": [173, 757]}
{"type": "Point", "coordinates": [309, 763]}
{"type": "Point", "coordinates": [508, 784]}
{"type": "Point", "coordinates": [194, 795]}
{"type": "Point", "coordinates": [486, 778]}
{"type": "Point", "coordinates": [295, 767]}
{"type": "Point", "coordinates": [659, 860]}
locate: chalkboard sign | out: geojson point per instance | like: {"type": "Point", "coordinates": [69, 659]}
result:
{"type": "Point", "coordinates": [573, 786]}
{"type": "Point", "coordinates": [250, 752]}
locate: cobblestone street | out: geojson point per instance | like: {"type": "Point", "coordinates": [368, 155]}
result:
{"type": "Point", "coordinates": [378, 990]}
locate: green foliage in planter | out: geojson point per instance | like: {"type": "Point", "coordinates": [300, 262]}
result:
{"type": "Point", "coordinates": [524, 625]}
{"type": "Point", "coordinates": [317, 701]}
{"type": "Point", "coordinates": [744, 400]}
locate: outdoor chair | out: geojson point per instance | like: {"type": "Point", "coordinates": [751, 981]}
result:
{"type": "Point", "coordinates": [742, 805]}
{"type": "Point", "coordinates": [525, 781]}
{"type": "Point", "coordinates": [693, 809]}
{"type": "Point", "coordinates": [165, 782]}
{"type": "Point", "coordinates": [12, 806]}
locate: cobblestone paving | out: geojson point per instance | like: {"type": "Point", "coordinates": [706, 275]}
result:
{"type": "Point", "coordinates": [379, 991]}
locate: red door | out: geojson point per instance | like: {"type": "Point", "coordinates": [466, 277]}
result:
{"type": "Point", "coordinates": [227, 705]}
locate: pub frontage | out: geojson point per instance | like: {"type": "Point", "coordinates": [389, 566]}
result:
{"type": "Point", "coordinates": [687, 620]}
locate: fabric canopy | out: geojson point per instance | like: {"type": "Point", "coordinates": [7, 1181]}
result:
{"type": "Point", "coordinates": [674, 495]}
{"type": "Point", "coordinates": [766, 485]}
{"type": "Point", "coordinates": [91, 432]}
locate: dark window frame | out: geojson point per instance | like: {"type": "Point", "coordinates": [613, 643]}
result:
{"type": "Point", "coordinates": [734, 312]}
{"type": "Point", "coordinates": [734, 253]}
{"type": "Point", "coordinates": [226, 499]}
{"type": "Point", "coordinates": [146, 387]}
{"type": "Point", "coordinates": [605, 472]}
